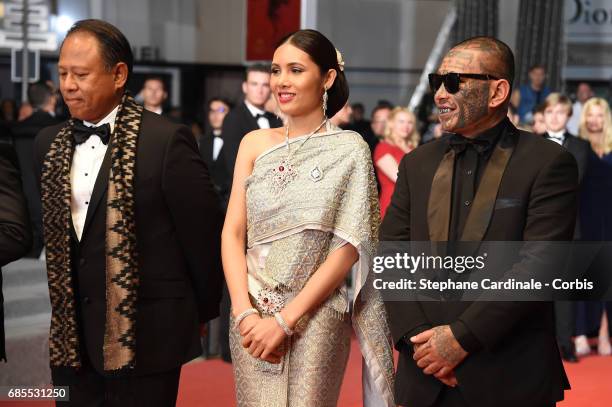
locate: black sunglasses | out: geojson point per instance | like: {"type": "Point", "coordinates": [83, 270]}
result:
{"type": "Point", "coordinates": [452, 80]}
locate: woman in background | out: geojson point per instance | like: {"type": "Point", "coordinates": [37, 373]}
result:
{"type": "Point", "coordinates": [593, 318]}
{"type": "Point", "coordinates": [401, 137]}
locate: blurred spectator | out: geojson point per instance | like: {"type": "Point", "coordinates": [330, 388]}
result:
{"type": "Point", "coordinates": [211, 145]}
{"type": "Point", "coordinates": [596, 126]}
{"type": "Point", "coordinates": [25, 111]}
{"type": "Point", "coordinates": [8, 110]}
{"type": "Point", "coordinates": [211, 149]}
{"type": "Point", "coordinates": [380, 114]}
{"type": "Point", "coordinates": [342, 118]}
{"type": "Point", "coordinates": [401, 137]}
{"type": "Point", "coordinates": [557, 111]}
{"type": "Point", "coordinates": [427, 112]}
{"type": "Point", "coordinates": [596, 219]}
{"type": "Point", "coordinates": [532, 94]}
{"type": "Point", "coordinates": [358, 113]}
{"type": "Point", "coordinates": [154, 94]}
{"type": "Point", "coordinates": [513, 115]}
{"type": "Point", "coordinates": [583, 93]}
{"type": "Point", "coordinates": [248, 115]}
{"type": "Point", "coordinates": [42, 98]}
{"type": "Point", "coordinates": [539, 126]}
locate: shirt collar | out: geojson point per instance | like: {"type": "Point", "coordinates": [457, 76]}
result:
{"type": "Point", "coordinates": [558, 134]}
{"type": "Point", "coordinates": [491, 135]}
{"type": "Point", "coordinates": [254, 110]}
{"type": "Point", "coordinates": [110, 119]}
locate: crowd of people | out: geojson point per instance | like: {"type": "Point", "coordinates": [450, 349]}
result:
{"type": "Point", "coordinates": [296, 191]}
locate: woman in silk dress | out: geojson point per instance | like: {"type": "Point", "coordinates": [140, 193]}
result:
{"type": "Point", "coordinates": [303, 214]}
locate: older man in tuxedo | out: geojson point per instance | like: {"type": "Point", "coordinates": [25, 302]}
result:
{"type": "Point", "coordinates": [132, 228]}
{"type": "Point", "coordinates": [487, 181]}
{"type": "Point", "coordinates": [15, 231]}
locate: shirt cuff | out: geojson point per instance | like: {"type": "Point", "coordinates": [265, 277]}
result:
{"type": "Point", "coordinates": [465, 337]}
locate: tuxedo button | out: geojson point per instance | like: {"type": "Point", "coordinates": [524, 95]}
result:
{"type": "Point", "coordinates": [86, 300]}
{"type": "Point", "coordinates": [469, 172]}
{"type": "Point", "coordinates": [467, 203]}
{"type": "Point", "coordinates": [82, 262]}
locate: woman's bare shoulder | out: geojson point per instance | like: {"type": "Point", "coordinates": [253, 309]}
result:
{"type": "Point", "coordinates": [260, 140]}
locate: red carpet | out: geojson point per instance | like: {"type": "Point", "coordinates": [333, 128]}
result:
{"type": "Point", "coordinates": [210, 384]}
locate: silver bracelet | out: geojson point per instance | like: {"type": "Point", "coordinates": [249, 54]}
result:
{"type": "Point", "coordinates": [243, 315]}
{"type": "Point", "coordinates": [283, 324]}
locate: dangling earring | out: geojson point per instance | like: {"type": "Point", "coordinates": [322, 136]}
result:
{"type": "Point", "coordinates": [325, 102]}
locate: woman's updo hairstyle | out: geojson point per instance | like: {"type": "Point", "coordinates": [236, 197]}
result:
{"type": "Point", "coordinates": [323, 53]}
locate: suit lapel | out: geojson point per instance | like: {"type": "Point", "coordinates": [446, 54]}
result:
{"type": "Point", "coordinates": [439, 204]}
{"type": "Point", "coordinates": [249, 117]}
{"type": "Point", "coordinates": [100, 188]}
{"type": "Point", "coordinates": [481, 212]}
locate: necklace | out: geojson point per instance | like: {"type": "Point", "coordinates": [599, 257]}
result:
{"type": "Point", "coordinates": [284, 172]}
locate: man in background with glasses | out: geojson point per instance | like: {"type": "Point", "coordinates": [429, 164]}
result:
{"type": "Point", "coordinates": [486, 181]}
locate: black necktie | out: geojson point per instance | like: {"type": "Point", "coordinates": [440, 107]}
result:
{"type": "Point", "coordinates": [81, 133]}
{"type": "Point", "coordinates": [459, 143]}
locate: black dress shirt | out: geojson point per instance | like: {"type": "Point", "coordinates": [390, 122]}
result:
{"type": "Point", "coordinates": [472, 155]}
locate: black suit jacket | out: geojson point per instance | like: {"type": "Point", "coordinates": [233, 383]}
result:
{"type": "Point", "coordinates": [514, 360]}
{"type": "Point", "coordinates": [580, 150]}
{"type": "Point", "coordinates": [238, 122]}
{"type": "Point", "coordinates": [15, 231]}
{"type": "Point", "coordinates": [178, 226]}
{"type": "Point", "coordinates": [24, 133]}
{"type": "Point", "coordinates": [218, 168]}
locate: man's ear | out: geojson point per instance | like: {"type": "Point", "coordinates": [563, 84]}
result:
{"type": "Point", "coordinates": [500, 92]}
{"type": "Point", "coordinates": [120, 75]}
{"type": "Point", "coordinates": [244, 87]}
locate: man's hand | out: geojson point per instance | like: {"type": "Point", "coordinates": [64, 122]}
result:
{"type": "Point", "coordinates": [437, 352]}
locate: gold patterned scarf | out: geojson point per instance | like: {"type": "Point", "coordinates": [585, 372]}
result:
{"type": "Point", "coordinates": [121, 257]}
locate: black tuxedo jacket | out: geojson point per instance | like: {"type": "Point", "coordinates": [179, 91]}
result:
{"type": "Point", "coordinates": [238, 122]}
{"type": "Point", "coordinates": [580, 150]}
{"type": "Point", "coordinates": [178, 243]}
{"type": "Point", "coordinates": [217, 168]}
{"type": "Point", "coordinates": [15, 231]}
{"type": "Point", "coordinates": [514, 359]}
{"type": "Point", "coordinates": [24, 133]}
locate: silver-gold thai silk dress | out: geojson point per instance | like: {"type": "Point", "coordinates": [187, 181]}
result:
{"type": "Point", "coordinates": [327, 200]}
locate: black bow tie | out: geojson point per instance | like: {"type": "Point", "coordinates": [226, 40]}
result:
{"type": "Point", "coordinates": [459, 143]}
{"type": "Point", "coordinates": [259, 115]}
{"type": "Point", "coordinates": [81, 133]}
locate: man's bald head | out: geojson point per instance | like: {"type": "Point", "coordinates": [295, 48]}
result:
{"type": "Point", "coordinates": [497, 58]}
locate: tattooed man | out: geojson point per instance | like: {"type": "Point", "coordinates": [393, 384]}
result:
{"type": "Point", "coordinates": [485, 180]}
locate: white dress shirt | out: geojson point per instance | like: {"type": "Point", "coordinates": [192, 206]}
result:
{"type": "Point", "coordinates": [574, 121]}
{"type": "Point", "coordinates": [86, 163]}
{"type": "Point", "coordinates": [557, 137]}
{"type": "Point", "coordinates": [262, 122]}
{"type": "Point", "coordinates": [217, 144]}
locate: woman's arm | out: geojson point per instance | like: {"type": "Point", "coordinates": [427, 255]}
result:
{"type": "Point", "coordinates": [233, 237]}
{"type": "Point", "coordinates": [266, 335]}
{"type": "Point", "coordinates": [388, 166]}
